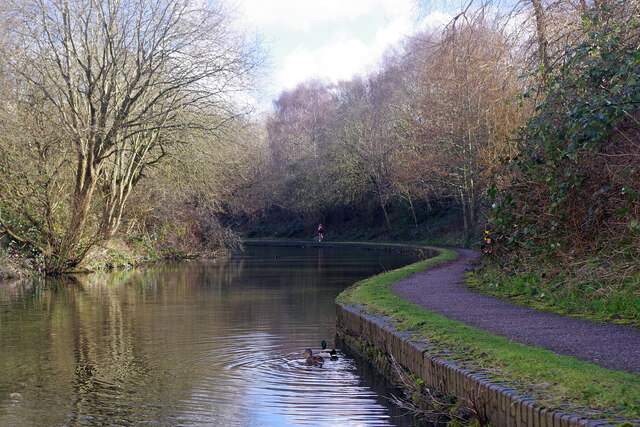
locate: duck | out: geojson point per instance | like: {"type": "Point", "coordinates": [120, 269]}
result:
{"type": "Point", "coordinates": [311, 359]}
{"type": "Point", "coordinates": [329, 354]}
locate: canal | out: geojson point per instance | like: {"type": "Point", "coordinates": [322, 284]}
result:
{"type": "Point", "coordinates": [202, 342]}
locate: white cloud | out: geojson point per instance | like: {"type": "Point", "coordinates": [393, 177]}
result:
{"type": "Point", "coordinates": [435, 20]}
{"type": "Point", "coordinates": [330, 39]}
{"type": "Point", "coordinates": [393, 32]}
{"type": "Point", "coordinates": [339, 61]}
{"type": "Point", "coordinates": [303, 15]}
{"type": "Point", "coordinates": [342, 58]}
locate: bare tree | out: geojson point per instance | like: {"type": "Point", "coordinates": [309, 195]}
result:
{"type": "Point", "coordinates": [460, 114]}
{"type": "Point", "coordinates": [298, 137]}
{"type": "Point", "coordinates": [114, 85]}
{"type": "Point", "coordinates": [367, 133]}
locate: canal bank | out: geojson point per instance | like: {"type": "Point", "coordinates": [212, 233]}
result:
{"type": "Point", "coordinates": [503, 382]}
{"type": "Point", "coordinates": [376, 339]}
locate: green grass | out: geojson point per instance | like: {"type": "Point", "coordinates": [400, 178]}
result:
{"type": "Point", "coordinates": [556, 381]}
{"type": "Point", "coordinates": [580, 295]}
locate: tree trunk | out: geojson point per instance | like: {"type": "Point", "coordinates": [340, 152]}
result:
{"type": "Point", "coordinates": [465, 211]}
{"type": "Point", "coordinates": [413, 211]}
{"type": "Point", "coordinates": [383, 205]}
{"type": "Point", "coordinates": [121, 177]}
{"type": "Point", "coordinates": [67, 252]}
{"type": "Point", "coordinates": [541, 31]}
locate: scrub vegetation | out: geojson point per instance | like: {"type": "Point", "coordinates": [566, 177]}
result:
{"type": "Point", "coordinates": [580, 293]}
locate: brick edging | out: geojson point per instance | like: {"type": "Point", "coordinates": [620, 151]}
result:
{"type": "Point", "coordinates": [499, 404]}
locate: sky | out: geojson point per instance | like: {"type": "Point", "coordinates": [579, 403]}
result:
{"type": "Point", "coordinates": [330, 40]}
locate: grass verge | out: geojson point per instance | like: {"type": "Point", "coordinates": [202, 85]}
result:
{"type": "Point", "coordinates": [556, 381]}
{"type": "Point", "coordinates": [582, 293]}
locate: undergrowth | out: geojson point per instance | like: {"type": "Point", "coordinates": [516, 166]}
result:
{"type": "Point", "coordinates": [587, 289]}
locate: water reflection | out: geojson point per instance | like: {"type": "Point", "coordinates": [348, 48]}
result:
{"type": "Point", "coordinates": [214, 342]}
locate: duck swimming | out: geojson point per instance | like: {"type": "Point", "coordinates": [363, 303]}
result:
{"type": "Point", "coordinates": [331, 354]}
{"type": "Point", "coordinates": [311, 359]}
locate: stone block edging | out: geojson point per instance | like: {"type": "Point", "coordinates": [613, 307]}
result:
{"type": "Point", "coordinates": [499, 404]}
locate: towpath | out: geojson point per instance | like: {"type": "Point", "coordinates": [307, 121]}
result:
{"type": "Point", "coordinates": [441, 290]}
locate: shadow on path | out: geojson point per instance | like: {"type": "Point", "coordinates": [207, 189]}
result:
{"type": "Point", "coordinates": [441, 290]}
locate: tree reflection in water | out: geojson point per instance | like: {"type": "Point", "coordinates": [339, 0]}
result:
{"type": "Point", "coordinates": [214, 342]}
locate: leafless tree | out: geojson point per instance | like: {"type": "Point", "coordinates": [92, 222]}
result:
{"type": "Point", "coordinates": [367, 132]}
{"type": "Point", "coordinates": [110, 86]}
{"type": "Point", "coordinates": [461, 115]}
{"type": "Point", "coordinates": [299, 134]}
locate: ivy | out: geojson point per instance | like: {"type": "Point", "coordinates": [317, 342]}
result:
{"type": "Point", "coordinates": [566, 189]}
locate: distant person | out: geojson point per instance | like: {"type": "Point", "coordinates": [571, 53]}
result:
{"type": "Point", "coordinates": [320, 232]}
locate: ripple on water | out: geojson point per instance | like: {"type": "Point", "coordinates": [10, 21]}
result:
{"type": "Point", "coordinates": [260, 379]}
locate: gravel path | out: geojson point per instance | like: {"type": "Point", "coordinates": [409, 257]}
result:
{"type": "Point", "coordinates": [441, 290]}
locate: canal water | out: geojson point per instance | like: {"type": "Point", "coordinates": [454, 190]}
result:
{"type": "Point", "coordinates": [203, 342]}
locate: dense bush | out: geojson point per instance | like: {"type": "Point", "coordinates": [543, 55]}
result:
{"type": "Point", "coordinates": [577, 177]}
